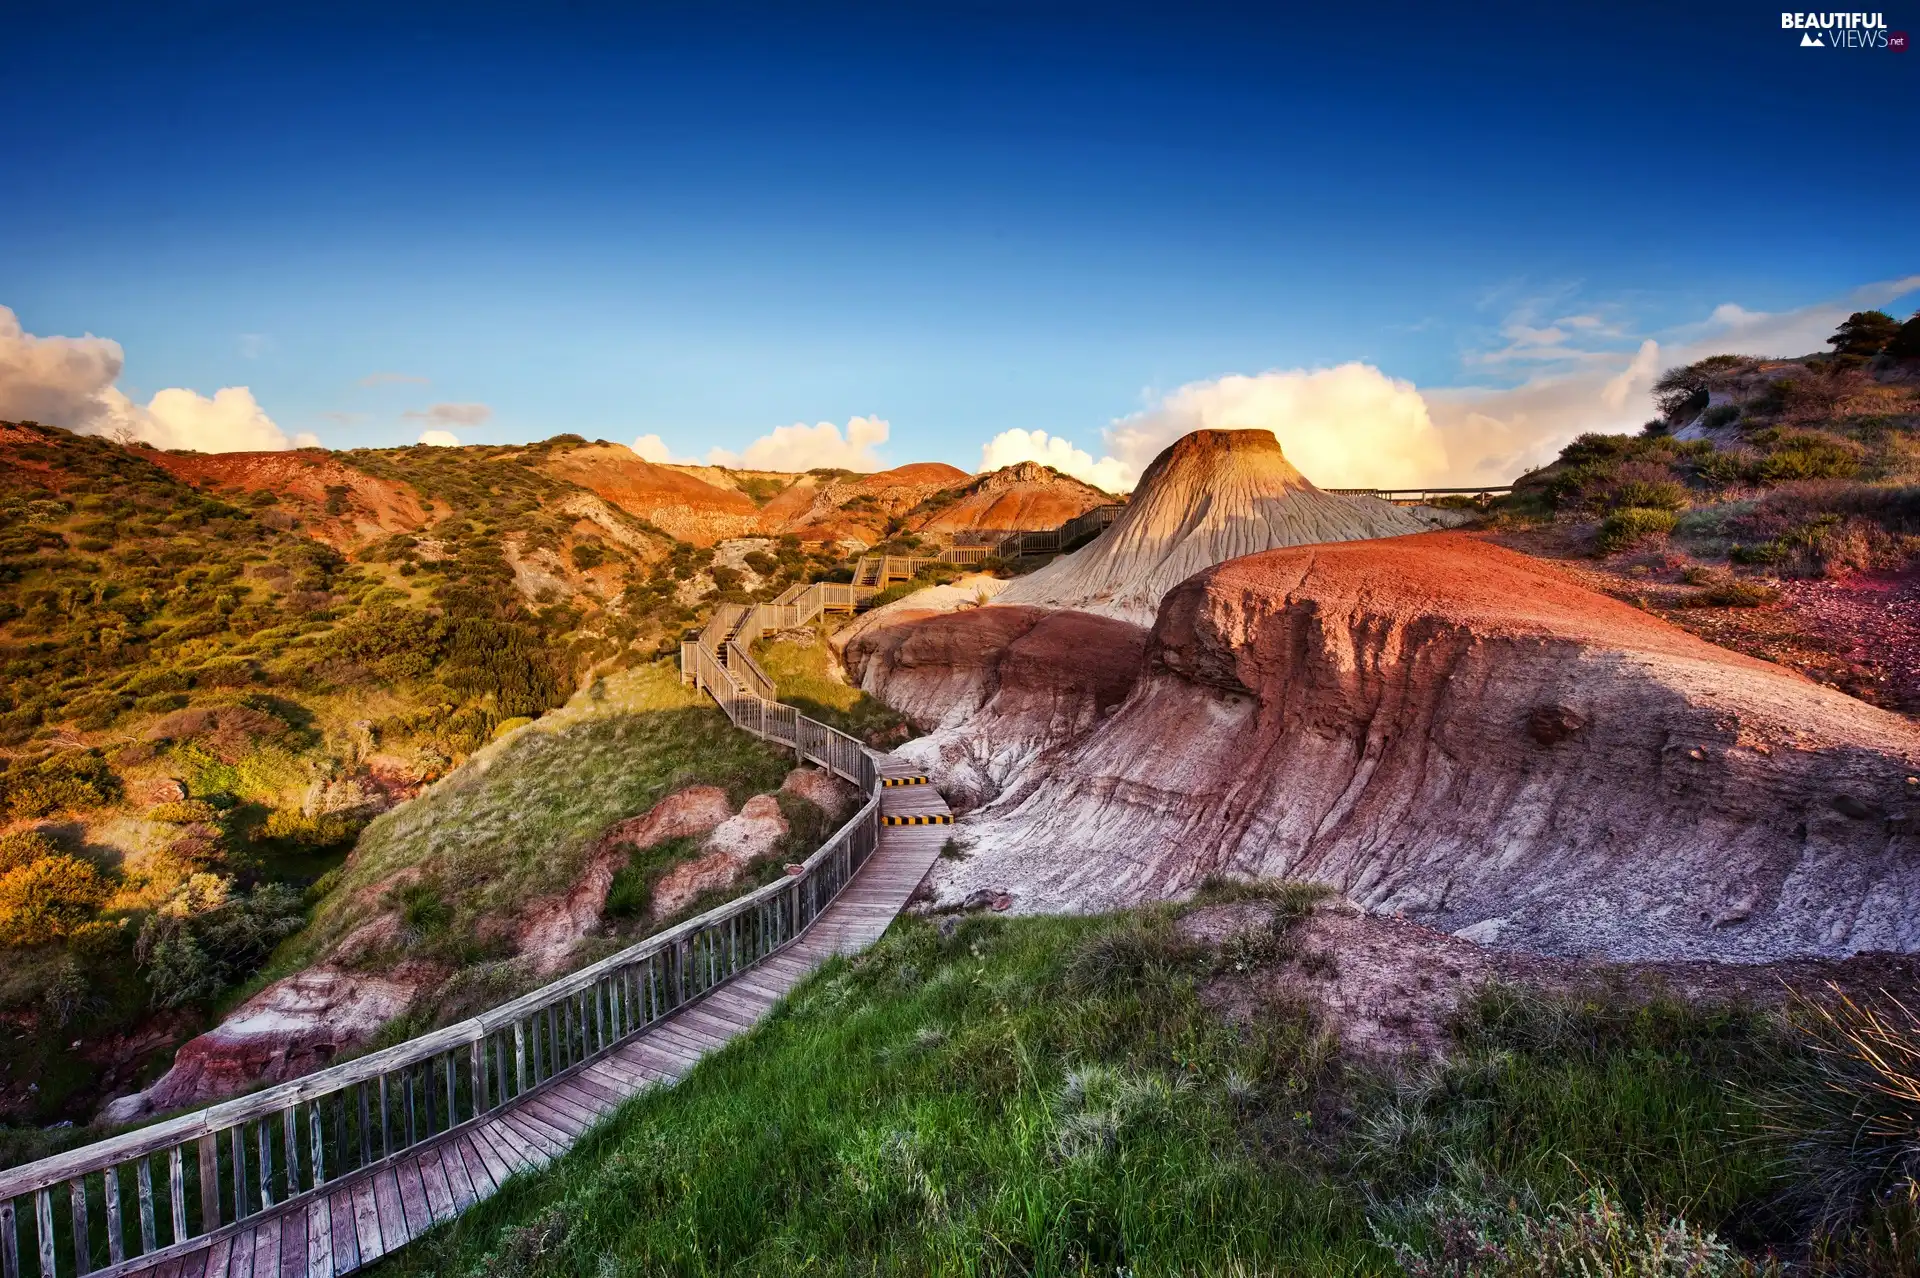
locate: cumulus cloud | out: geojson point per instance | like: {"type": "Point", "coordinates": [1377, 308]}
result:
{"type": "Point", "coordinates": [450, 414]}
{"type": "Point", "coordinates": [69, 381]}
{"type": "Point", "coordinates": [1354, 426]}
{"type": "Point", "coordinates": [802, 447]}
{"type": "Point", "coordinates": [439, 439]}
{"type": "Point", "coordinates": [1346, 427]}
{"type": "Point", "coordinates": [1493, 434]}
{"type": "Point", "coordinates": [654, 449]}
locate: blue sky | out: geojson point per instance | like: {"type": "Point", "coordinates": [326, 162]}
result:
{"type": "Point", "coordinates": [704, 222]}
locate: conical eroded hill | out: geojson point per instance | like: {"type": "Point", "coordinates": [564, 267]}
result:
{"type": "Point", "coordinates": [1212, 496]}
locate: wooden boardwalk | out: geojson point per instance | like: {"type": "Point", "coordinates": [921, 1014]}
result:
{"type": "Point", "coordinates": [357, 1220]}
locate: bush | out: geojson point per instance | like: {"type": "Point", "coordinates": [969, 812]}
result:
{"type": "Point", "coordinates": [1650, 494]}
{"type": "Point", "coordinates": [1735, 594]}
{"type": "Point", "coordinates": [320, 831]}
{"type": "Point", "coordinates": [48, 899]}
{"type": "Point", "coordinates": [24, 848]}
{"type": "Point", "coordinates": [1805, 454]}
{"type": "Point", "coordinates": [1138, 949]}
{"type": "Point", "coordinates": [1849, 1123]}
{"type": "Point", "coordinates": [71, 782]}
{"type": "Point", "coordinates": [205, 938]}
{"type": "Point", "coordinates": [1591, 1239]}
{"type": "Point", "coordinates": [1720, 415]}
{"type": "Point", "coordinates": [184, 812]}
{"type": "Point", "coordinates": [1627, 528]}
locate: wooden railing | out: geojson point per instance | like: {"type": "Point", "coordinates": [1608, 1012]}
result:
{"type": "Point", "coordinates": [170, 1188]}
{"type": "Point", "coordinates": [1419, 496]}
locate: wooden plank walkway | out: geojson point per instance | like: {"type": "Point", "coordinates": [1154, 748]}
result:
{"type": "Point", "coordinates": [357, 1220]}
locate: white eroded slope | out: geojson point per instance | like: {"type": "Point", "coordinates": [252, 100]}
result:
{"type": "Point", "coordinates": [1212, 496]}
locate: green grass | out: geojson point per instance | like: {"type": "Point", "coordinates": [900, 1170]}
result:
{"type": "Point", "coordinates": [801, 672]}
{"type": "Point", "coordinates": [520, 818]}
{"type": "Point", "coordinates": [968, 1105]}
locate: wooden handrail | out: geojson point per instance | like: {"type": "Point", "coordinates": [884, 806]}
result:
{"type": "Point", "coordinates": [287, 1142]}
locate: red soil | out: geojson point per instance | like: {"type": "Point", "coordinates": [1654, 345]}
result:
{"type": "Point", "coordinates": [684, 506]}
{"type": "Point", "coordinates": [300, 479]}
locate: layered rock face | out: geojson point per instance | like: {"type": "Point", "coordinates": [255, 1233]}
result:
{"type": "Point", "coordinates": [684, 506]}
{"type": "Point", "coordinates": [995, 687]}
{"type": "Point", "coordinates": [1024, 495]}
{"type": "Point", "coordinates": [1440, 727]}
{"type": "Point", "coordinates": [1213, 495]}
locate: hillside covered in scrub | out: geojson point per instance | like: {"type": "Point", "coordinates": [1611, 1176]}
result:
{"type": "Point", "coordinates": [1772, 507]}
{"type": "Point", "coordinates": [221, 667]}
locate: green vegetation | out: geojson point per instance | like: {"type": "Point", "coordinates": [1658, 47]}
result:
{"type": "Point", "coordinates": [1633, 526]}
{"type": "Point", "coordinates": [205, 701]}
{"type": "Point", "coordinates": [556, 785]}
{"type": "Point", "coordinates": [1055, 1095]}
{"type": "Point", "coordinates": [803, 672]}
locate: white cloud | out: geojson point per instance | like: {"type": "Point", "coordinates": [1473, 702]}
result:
{"type": "Point", "coordinates": [439, 439]}
{"type": "Point", "coordinates": [1011, 446]}
{"type": "Point", "coordinates": [450, 414]}
{"type": "Point", "coordinates": [1493, 434]}
{"type": "Point", "coordinates": [1353, 426]}
{"type": "Point", "coordinates": [801, 447]}
{"type": "Point", "coordinates": [654, 449]}
{"type": "Point", "coordinates": [1344, 427]}
{"type": "Point", "coordinates": [69, 382]}
{"type": "Point", "coordinates": [230, 422]}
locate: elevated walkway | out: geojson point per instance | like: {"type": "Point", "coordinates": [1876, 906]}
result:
{"type": "Point", "coordinates": [322, 1175]}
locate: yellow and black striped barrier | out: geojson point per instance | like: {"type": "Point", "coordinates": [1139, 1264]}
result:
{"type": "Point", "coordinates": [943, 818]}
{"type": "Point", "coordinates": [893, 781]}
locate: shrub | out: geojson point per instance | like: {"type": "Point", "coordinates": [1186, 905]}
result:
{"type": "Point", "coordinates": [322, 830]}
{"type": "Point", "coordinates": [588, 554]}
{"type": "Point", "coordinates": [48, 899]}
{"type": "Point", "coordinates": [24, 848]}
{"type": "Point", "coordinates": [1136, 950]}
{"type": "Point", "coordinates": [1736, 594]}
{"type": "Point", "coordinates": [1805, 454]}
{"type": "Point", "coordinates": [1651, 494]}
{"type": "Point", "coordinates": [183, 812]}
{"type": "Point", "coordinates": [1720, 415]}
{"type": "Point", "coordinates": [1633, 525]}
{"type": "Point", "coordinates": [73, 781]}
{"type": "Point", "coordinates": [205, 938]}
{"type": "Point", "coordinates": [1590, 1239]}
{"type": "Point", "coordinates": [423, 911]}
{"type": "Point", "coordinates": [399, 643]}
{"type": "Point", "coordinates": [1849, 1123]}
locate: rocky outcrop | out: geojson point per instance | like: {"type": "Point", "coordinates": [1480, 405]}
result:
{"type": "Point", "coordinates": [1213, 495]}
{"type": "Point", "coordinates": [823, 790]}
{"type": "Point", "coordinates": [335, 502]}
{"type": "Point", "coordinates": [1039, 679]}
{"type": "Point", "coordinates": [292, 1027]}
{"type": "Point", "coordinates": [551, 926]}
{"type": "Point", "coordinates": [679, 503]}
{"type": "Point", "coordinates": [1443, 728]}
{"type": "Point", "coordinates": [729, 852]}
{"type": "Point", "coordinates": [1024, 495]}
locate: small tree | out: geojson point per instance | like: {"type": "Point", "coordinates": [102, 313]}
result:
{"type": "Point", "coordinates": [1864, 333]}
{"type": "Point", "coordinates": [1906, 343]}
{"type": "Point", "coordinates": [1685, 389]}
